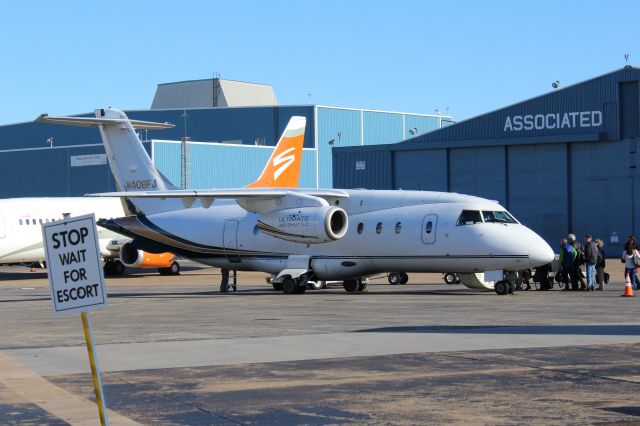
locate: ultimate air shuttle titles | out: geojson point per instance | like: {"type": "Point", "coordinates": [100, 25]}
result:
{"type": "Point", "coordinates": [299, 235]}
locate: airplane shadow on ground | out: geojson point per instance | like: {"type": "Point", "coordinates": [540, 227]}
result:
{"type": "Point", "coordinates": [591, 330]}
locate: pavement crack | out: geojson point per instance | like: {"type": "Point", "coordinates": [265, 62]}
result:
{"type": "Point", "coordinates": [179, 401]}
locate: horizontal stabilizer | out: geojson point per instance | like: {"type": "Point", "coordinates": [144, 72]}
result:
{"type": "Point", "coordinates": [95, 122]}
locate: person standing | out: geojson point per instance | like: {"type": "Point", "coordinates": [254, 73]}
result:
{"type": "Point", "coordinates": [578, 261]}
{"type": "Point", "coordinates": [591, 259]}
{"type": "Point", "coordinates": [631, 260]}
{"type": "Point", "coordinates": [600, 265]}
{"type": "Point", "coordinates": [567, 260]}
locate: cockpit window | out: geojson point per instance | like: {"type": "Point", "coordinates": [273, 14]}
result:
{"type": "Point", "coordinates": [498, 217]}
{"type": "Point", "coordinates": [469, 217]}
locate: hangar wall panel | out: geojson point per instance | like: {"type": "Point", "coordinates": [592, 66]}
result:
{"type": "Point", "coordinates": [330, 122]}
{"type": "Point", "coordinates": [223, 166]}
{"type": "Point", "coordinates": [420, 170]}
{"type": "Point", "coordinates": [382, 127]}
{"type": "Point", "coordinates": [373, 170]}
{"type": "Point", "coordinates": [479, 171]}
{"type": "Point", "coordinates": [537, 194]}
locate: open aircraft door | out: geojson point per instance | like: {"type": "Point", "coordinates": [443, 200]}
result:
{"type": "Point", "coordinates": [429, 225]}
{"type": "Point", "coordinates": [230, 239]}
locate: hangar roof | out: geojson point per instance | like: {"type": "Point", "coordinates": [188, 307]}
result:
{"type": "Point", "coordinates": [585, 111]}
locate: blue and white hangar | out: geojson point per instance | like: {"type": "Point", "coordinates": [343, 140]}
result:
{"type": "Point", "coordinates": [224, 133]}
{"type": "Point", "coordinates": [565, 161]}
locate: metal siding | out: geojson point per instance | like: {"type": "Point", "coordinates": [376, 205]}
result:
{"type": "Point", "coordinates": [423, 124]}
{"type": "Point", "coordinates": [591, 95]}
{"type": "Point", "coordinates": [48, 172]}
{"type": "Point", "coordinates": [228, 166]}
{"type": "Point", "coordinates": [479, 171]}
{"type": "Point", "coordinates": [602, 191]}
{"type": "Point", "coordinates": [330, 122]}
{"type": "Point", "coordinates": [376, 175]}
{"type": "Point", "coordinates": [167, 160]}
{"type": "Point", "coordinates": [538, 189]}
{"type": "Point", "coordinates": [422, 170]}
{"type": "Point", "coordinates": [382, 127]}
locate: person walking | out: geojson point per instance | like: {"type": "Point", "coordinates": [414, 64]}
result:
{"type": "Point", "coordinates": [567, 260]}
{"type": "Point", "coordinates": [591, 259]}
{"type": "Point", "coordinates": [631, 260]}
{"type": "Point", "coordinates": [600, 265]}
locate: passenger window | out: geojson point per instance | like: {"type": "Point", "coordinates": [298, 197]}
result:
{"type": "Point", "coordinates": [40, 220]}
{"type": "Point", "coordinates": [469, 217]}
{"type": "Point", "coordinates": [398, 227]}
{"type": "Point", "coordinates": [20, 221]}
{"type": "Point", "coordinates": [360, 227]}
{"type": "Point", "coordinates": [429, 227]}
{"type": "Point", "coordinates": [27, 221]}
{"type": "Point", "coordinates": [379, 228]}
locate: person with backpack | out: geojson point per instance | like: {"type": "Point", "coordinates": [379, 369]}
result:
{"type": "Point", "coordinates": [631, 259]}
{"type": "Point", "coordinates": [567, 261]}
{"type": "Point", "coordinates": [591, 259]}
{"type": "Point", "coordinates": [600, 265]}
{"type": "Point", "coordinates": [578, 261]}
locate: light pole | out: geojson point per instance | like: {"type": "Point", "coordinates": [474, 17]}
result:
{"type": "Point", "coordinates": [50, 142]}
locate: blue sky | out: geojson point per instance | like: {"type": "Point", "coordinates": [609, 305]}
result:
{"type": "Point", "coordinates": [417, 56]}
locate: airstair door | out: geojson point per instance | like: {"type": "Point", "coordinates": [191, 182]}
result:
{"type": "Point", "coordinates": [230, 238]}
{"type": "Point", "coordinates": [429, 225]}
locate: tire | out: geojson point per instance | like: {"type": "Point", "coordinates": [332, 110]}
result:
{"type": "Point", "coordinates": [118, 268]}
{"type": "Point", "coordinates": [394, 278]}
{"type": "Point", "coordinates": [174, 269]}
{"type": "Point", "coordinates": [351, 286]}
{"type": "Point", "coordinates": [404, 278]}
{"type": "Point", "coordinates": [501, 288]}
{"type": "Point", "coordinates": [315, 285]}
{"type": "Point", "coordinates": [277, 286]}
{"type": "Point", "coordinates": [362, 285]}
{"type": "Point", "coordinates": [289, 286]}
{"type": "Point", "coordinates": [108, 269]}
{"type": "Point", "coordinates": [450, 278]}
{"type": "Point", "coordinates": [510, 288]}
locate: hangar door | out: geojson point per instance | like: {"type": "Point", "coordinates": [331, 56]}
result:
{"type": "Point", "coordinates": [478, 171]}
{"type": "Point", "coordinates": [537, 189]}
{"type": "Point", "coordinates": [424, 170]}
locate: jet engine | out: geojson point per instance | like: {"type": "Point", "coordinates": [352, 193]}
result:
{"type": "Point", "coordinates": [134, 258]}
{"type": "Point", "coordinates": [310, 225]}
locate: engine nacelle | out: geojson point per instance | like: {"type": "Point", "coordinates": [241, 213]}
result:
{"type": "Point", "coordinates": [311, 225]}
{"type": "Point", "coordinates": [134, 258]}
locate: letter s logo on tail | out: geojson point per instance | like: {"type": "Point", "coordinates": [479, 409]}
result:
{"type": "Point", "coordinates": [283, 168]}
{"type": "Point", "coordinates": [283, 158]}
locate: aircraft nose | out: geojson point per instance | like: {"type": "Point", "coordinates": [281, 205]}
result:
{"type": "Point", "coordinates": [540, 253]}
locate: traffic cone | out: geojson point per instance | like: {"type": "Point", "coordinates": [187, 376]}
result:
{"type": "Point", "coordinates": [628, 290]}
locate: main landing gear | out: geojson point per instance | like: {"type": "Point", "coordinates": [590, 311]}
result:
{"type": "Point", "coordinates": [503, 288]}
{"type": "Point", "coordinates": [113, 268]}
{"type": "Point", "coordinates": [396, 278]}
{"type": "Point", "coordinates": [355, 285]}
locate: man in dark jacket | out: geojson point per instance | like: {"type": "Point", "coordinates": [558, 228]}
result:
{"type": "Point", "coordinates": [591, 258]}
{"type": "Point", "coordinates": [567, 261]}
{"type": "Point", "coordinates": [578, 261]}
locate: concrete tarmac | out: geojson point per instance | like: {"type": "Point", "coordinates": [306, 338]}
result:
{"type": "Point", "coordinates": [173, 350]}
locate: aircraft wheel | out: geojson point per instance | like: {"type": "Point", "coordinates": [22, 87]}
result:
{"type": "Point", "coordinates": [501, 288]}
{"type": "Point", "coordinates": [118, 268]}
{"type": "Point", "coordinates": [289, 286]}
{"type": "Point", "coordinates": [316, 285]}
{"type": "Point", "coordinates": [362, 285]}
{"type": "Point", "coordinates": [174, 269]}
{"type": "Point", "coordinates": [277, 286]}
{"type": "Point", "coordinates": [351, 286]}
{"type": "Point", "coordinates": [404, 278]}
{"type": "Point", "coordinates": [450, 278]}
{"type": "Point", "coordinates": [394, 278]}
{"type": "Point", "coordinates": [511, 287]}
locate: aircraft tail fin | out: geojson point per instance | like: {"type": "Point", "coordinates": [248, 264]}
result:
{"type": "Point", "coordinates": [283, 168]}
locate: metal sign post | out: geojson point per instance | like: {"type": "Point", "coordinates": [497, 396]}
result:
{"type": "Point", "coordinates": [76, 281]}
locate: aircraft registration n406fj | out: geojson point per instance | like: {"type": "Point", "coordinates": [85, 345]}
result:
{"type": "Point", "coordinates": [309, 234]}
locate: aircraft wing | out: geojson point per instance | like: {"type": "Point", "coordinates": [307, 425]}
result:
{"type": "Point", "coordinates": [257, 200]}
{"type": "Point", "coordinates": [95, 122]}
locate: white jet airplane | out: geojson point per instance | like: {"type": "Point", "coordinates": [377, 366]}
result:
{"type": "Point", "coordinates": [21, 234]}
{"type": "Point", "coordinates": [310, 234]}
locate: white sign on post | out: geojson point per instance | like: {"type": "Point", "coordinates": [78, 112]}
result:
{"type": "Point", "coordinates": [76, 280]}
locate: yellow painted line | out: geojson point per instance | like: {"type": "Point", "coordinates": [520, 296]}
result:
{"type": "Point", "coordinates": [62, 404]}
